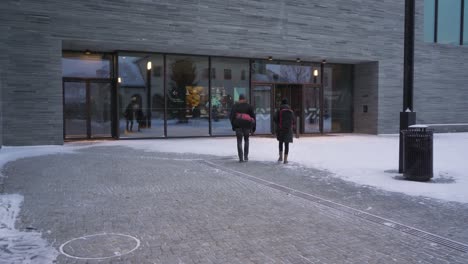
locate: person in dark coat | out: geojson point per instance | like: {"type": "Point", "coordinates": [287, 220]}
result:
{"type": "Point", "coordinates": [242, 118]}
{"type": "Point", "coordinates": [285, 121]}
{"type": "Point", "coordinates": [133, 112]}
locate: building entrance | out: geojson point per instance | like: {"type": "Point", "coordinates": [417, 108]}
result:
{"type": "Point", "coordinates": [87, 108]}
{"type": "Point", "coordinates": [304, 100]}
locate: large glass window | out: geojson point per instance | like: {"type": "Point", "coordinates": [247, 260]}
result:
{"type": "Point", "coordinates": [449, 21]}
{"type": "Point", "coordinates": [187, 96]}
{"type": "Point", "coordinates": [429, 20]}
{"type": "Point", "coordinates": [338, 100]}
{"type": "Point", "coordinates": [224, 92]}
{"type": "Point", "coordinates": [141, 95]}
{"type": "Point", "coordinates": [86, 66]}
{"type": "Point", "coordinates": [465, 24]}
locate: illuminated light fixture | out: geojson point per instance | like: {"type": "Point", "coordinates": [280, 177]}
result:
{"type": "Point", "coordinates": [148, 65]}
{"type": "Point", "coordinates": [270, 58]}
{"type": "Point", "coordinates": [315, 73]}
{"type": "Point", "coordinates": [119, 80]}
{"type": "Point", "coordinates": [87, 52]}
{"type": "Point", "coordinates": [298, 59]}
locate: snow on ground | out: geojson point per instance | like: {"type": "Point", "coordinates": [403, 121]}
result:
{"type": "Point", "coordinates": [18, 247]}
{"type": "Point", "coordinates": [364, 159]}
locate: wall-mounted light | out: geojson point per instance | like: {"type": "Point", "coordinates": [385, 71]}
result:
{"type": "Point", "coordinates": [270, 58]}
{"type": "Point", "coordinates": [119, 80]}
{"type": "Point", "coordinates": [148, 65]}
{"type": "Point", "coordinates": [324, 61]}
{"type": "Point", "coordinates": [315, 73]}
{"type": "Point", "coordinates": [87, 52]}
{"type": "Point", "coordinates": [298, 59]}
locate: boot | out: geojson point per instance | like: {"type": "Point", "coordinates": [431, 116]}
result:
{"type": "Point", "coordinates": [285, 158]}
{"type": "Point", "coordinates": [280, 156]}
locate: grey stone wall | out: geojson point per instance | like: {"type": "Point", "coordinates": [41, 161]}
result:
{"type": "Point", "coordinates": [441, 81]}
{"type": "Point", "coordinates": [345, 31]}
{"type": "Point", "coordinates": [366, 85]}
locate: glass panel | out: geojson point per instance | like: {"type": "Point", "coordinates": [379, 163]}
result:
{"type": "Point", "coordinates": [429, 17]}
{"type": "Point", "coordinates": [75, 113]}
{"type": "Point", "coordinates": [225, 92]}
{"type": "Point", "coordinates": [283, 72]}
{"type": "Point", "coordinates": [338, 99]}
{"type": "Point", "coordinates": [262, 103]}
{"type": "Point", "coordinates": [86, 66]}
{"type": "Point", "coordinates": [448, 28]}
{"type": "Point", "coordinates": [465, 24]}
{"type": "Point", "coordinates": [100, 105]}
{"type": "Point", "coordinates": [187, 96]}
{"type": "Point", "coordinates": [311, 102]}
{"type": "Point", "coordinates": [141, 103]}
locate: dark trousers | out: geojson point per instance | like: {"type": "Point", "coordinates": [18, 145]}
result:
{"type": "Point", "coordinates": [130, 121]}
{"type": "Point", "coordinates": [286, 147]}
{"type": "Point", "coordinates": [243, 133]}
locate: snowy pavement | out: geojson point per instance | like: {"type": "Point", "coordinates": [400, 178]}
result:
{"type": "Point", "coordinates": [57, 207]}
{"type": "Point", "coordinates": [362, 159]}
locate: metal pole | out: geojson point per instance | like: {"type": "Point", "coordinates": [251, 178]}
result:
{"type": "Point", "coordinates": [407, 116]}
{"type": "Point", "coordinates": [408, 56]}
{"type": "Point", "coordinates": [321, 94]}
{"type": "Point", "coordinates": [148, 98]}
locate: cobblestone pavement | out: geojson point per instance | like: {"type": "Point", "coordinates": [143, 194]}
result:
{"type": "Point", "coordinates": [175, 208]}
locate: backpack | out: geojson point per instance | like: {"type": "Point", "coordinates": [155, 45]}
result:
{"type": "Point", "coordinates": [286, 119]}
{"type": "Point", "coordinates": [244, 120]}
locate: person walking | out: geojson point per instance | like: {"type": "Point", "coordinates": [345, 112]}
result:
{"type": "Point", "coordinates": [242, 118]}
{"type": "Point", "coordinates": [284, 119]}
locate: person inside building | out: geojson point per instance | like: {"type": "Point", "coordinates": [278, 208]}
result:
{"type": "Point", "coordinates": [284, 120]}
{"type": "Point", "coordinates": [133, 112]}
{"type": "Point", "coordinates": [242, 118]}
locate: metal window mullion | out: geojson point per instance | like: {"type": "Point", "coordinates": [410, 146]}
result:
{"type": "Point", "coordinates": [165, 95]}
{"type": "Point", "coordinates": [88, 109]}
{"type": "Point", "coordinates": [209, 96]}
{"type": "Point", "coordinates": [436, 20]}
{"type": "Point", "coordinates": [462, 21]}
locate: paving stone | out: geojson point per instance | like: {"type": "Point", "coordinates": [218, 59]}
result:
{"type": "Point", "coordinates": [184, 211]}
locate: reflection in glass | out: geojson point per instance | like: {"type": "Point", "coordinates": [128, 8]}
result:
{"type": "Point", "coordinates": [282, 72]}
{"type": "Point", "coordinates": [100, 105]}
{"type": "Point", "coordinates": [448, 28]}
{"type": "Point", "coordinates": [225, 92]}
{"type": "Point", "coordinates": [465, 24]}
{"type": "Point", "coordinates": [187, 96]}
{"type": "Point", "coordinates": [86, 66]}
{"type": "Point", "coordinates": [429, 20]}
{"type": "Point", "coordinates": [337, 115]}
{"type": "Point", "coordinates": [75, 113]}
{"type": "Point", "coordinates": [141, 102]}
{"type": "Point", "coordinates": [311, 102]}
{"type": "Point", "coordinates": [262, 103]}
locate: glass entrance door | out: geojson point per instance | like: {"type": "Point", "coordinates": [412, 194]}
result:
{"type": "Point", "coordinates": [87, 108]}
{"type": "Point", "coordinates": [293, 93]}
{"type": "Point", "coordinates": [75, 113]}
{"type": "Point", "coordinates": [311, 110]}
{"type": "Point", "coordinates": [263, 111]}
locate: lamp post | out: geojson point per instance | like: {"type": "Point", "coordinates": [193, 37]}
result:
{"type": "Point", "coordinates": [407, 116]}
{"type": "Point", "coordinates": [148, 94]}
{"type": "Point", "coordinates": [322, 66]}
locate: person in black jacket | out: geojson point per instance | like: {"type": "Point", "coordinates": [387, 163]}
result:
{"type": "Point", "coordinates": [133, 112]}
{"type": "Point", "coordinates": [243, 122]}
{"type": "Point", "coordinates": [284, 119]}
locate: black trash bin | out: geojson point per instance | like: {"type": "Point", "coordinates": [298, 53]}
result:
{"type": "Point", "coordinates": [418, 153]}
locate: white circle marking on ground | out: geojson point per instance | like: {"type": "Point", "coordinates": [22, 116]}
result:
{"type": "Point", "coordinates": [116, 254]}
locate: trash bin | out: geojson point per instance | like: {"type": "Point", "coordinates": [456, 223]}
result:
{"type": "Point", "coordinates": [418, 153]}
